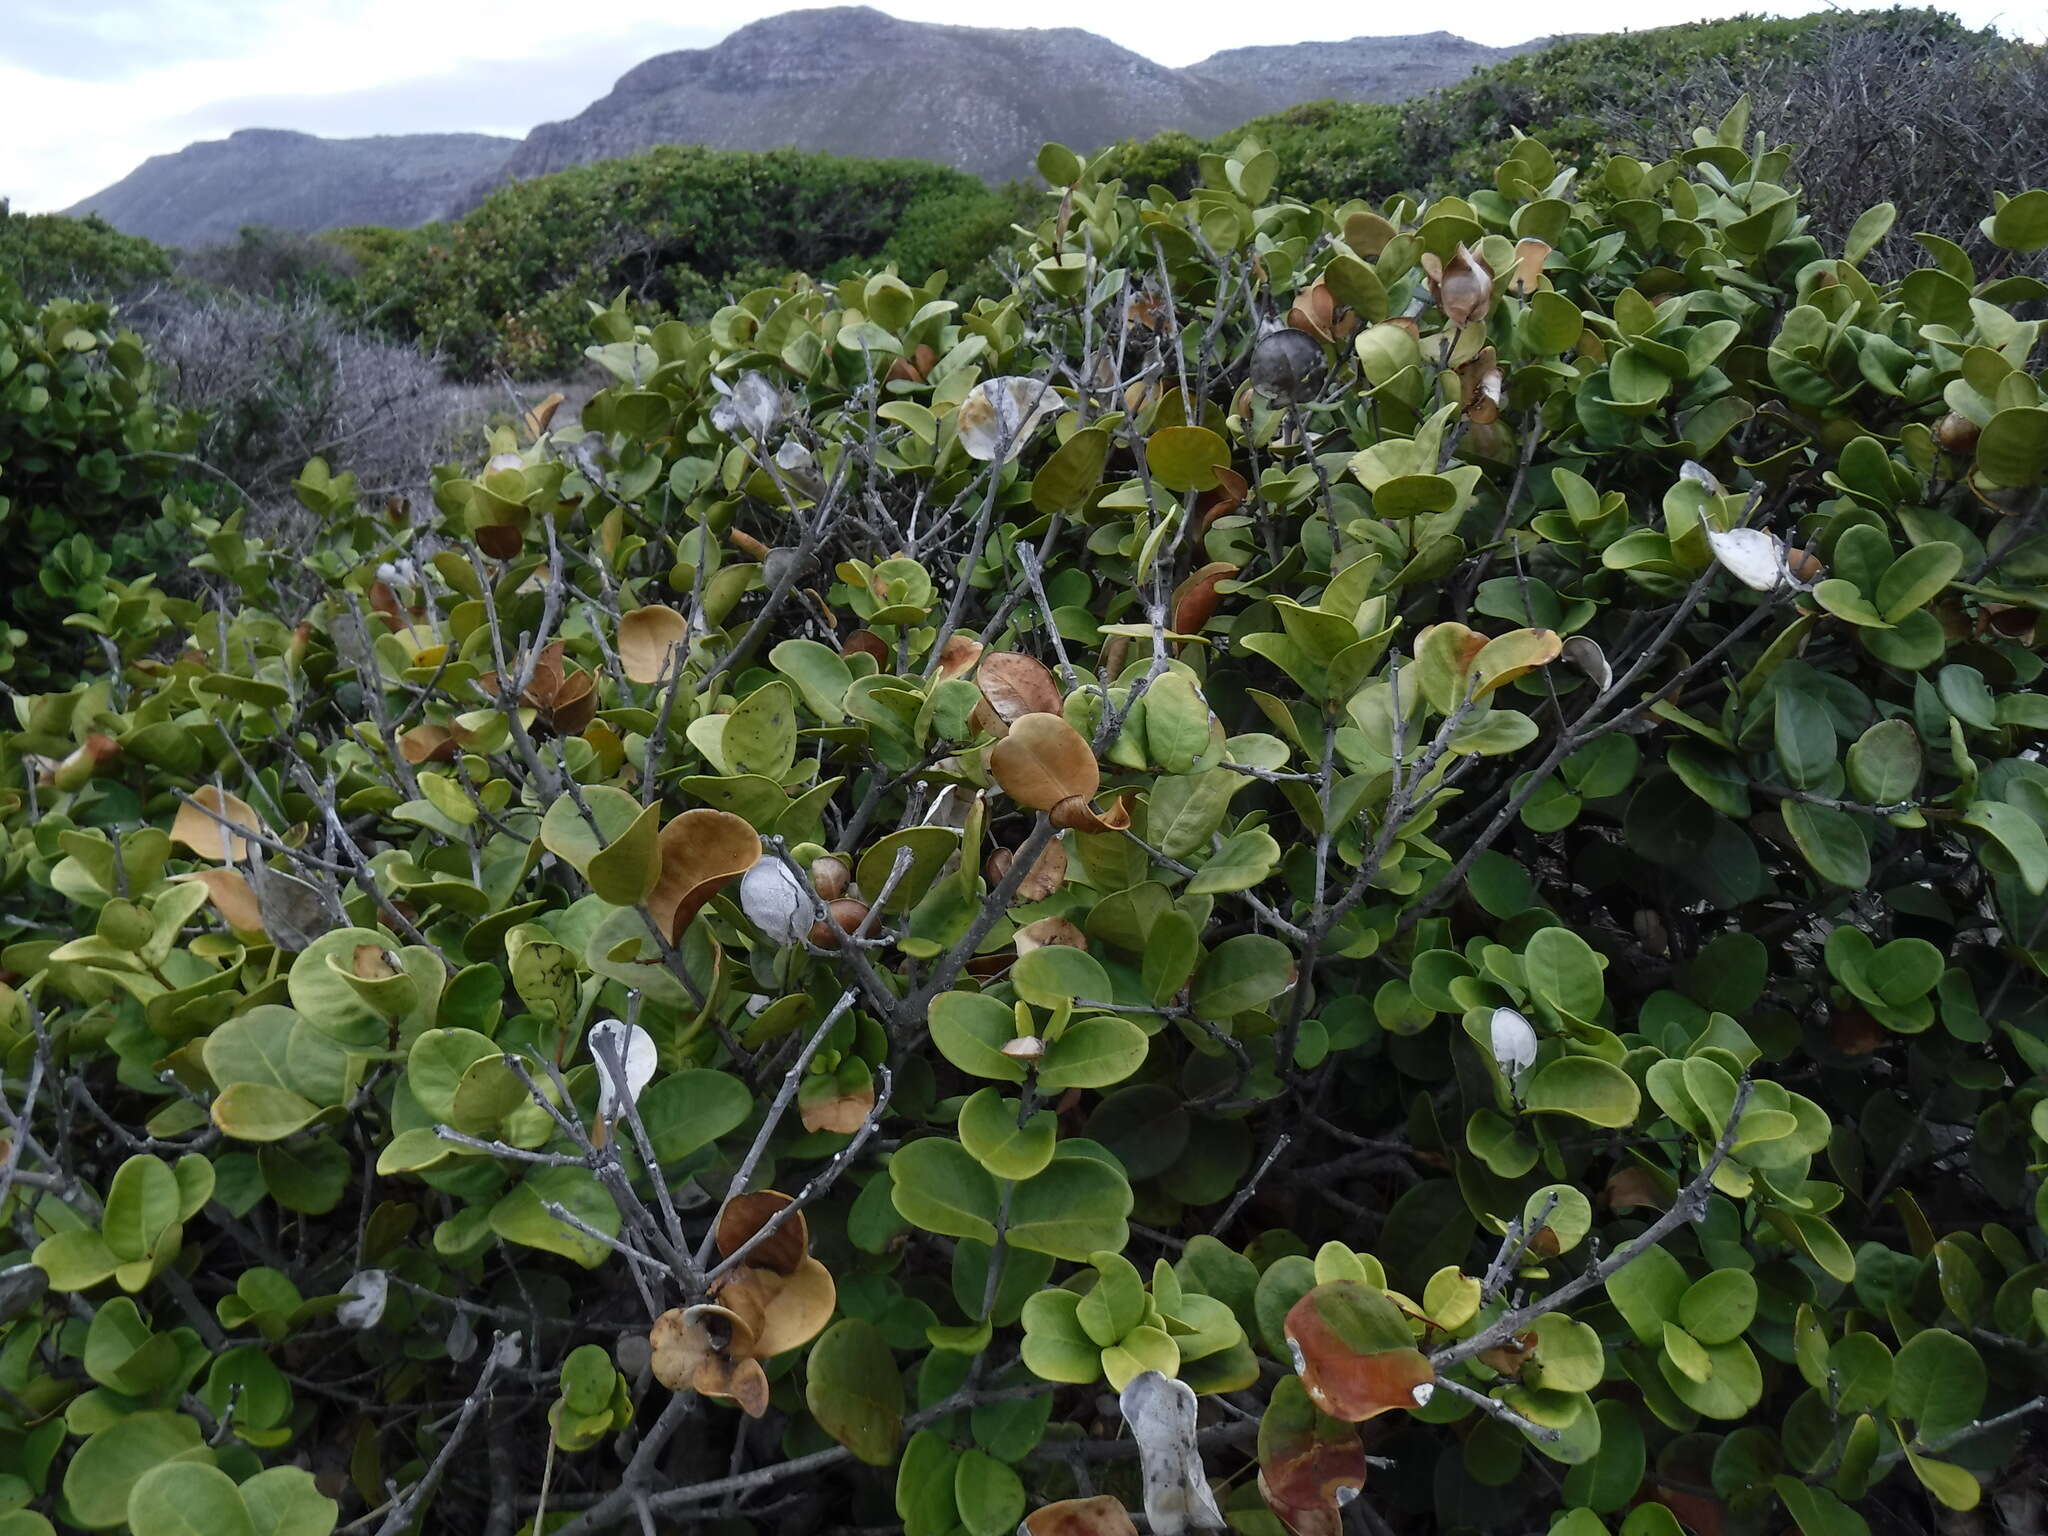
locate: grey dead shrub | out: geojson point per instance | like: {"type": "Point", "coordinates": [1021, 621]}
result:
{"type": "Point", "coordinates": [1921, 114]}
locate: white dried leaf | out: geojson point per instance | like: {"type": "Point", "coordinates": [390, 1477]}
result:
{"type": "Point", "coordinates": [1514, 1044]}
{"type": "Point", "coordinates": [1753, 557]}
{"type": "Point", "coordinates": [1693, 470]}
{"type": "Point", "coordinates": [461, 1336]}
{"type": "Point", "coordinates": [999, 415]}
{"type": "Point", "coordinates": [776, 902]}
{"type": "Point", "coordinates": [754, 406]}
{"type": "Point", "coordinates": [367, 1290]}
{"type": "Point", "coordinates": [1161, 1413]}
{"type": "Point", "coordinates": [628, 1050]}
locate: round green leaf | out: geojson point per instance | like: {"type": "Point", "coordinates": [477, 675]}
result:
{"type": "Point", "coordinates": [854, 1391]}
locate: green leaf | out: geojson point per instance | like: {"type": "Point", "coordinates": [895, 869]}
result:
{"type": "Point", "coordinates": [76, 1260]}
{"type": "Point", "coordinates": [2021, 223]}
{"type": "Point", "coordinates": [924, 1485]}
{"type": "Point", "coordinates": [1241, 974]}
{"type": "Point", "coordinates": [1093, 1052]}
{"type": "Point", "coordinates": [1719, 1307]}
{"type": "Point", "coordinates": [820, 673]}
{"type": "Point", "coordinates": [1062, 167]}
{"type": "Point", "coordinates": [1884, 764]}
{"type": "Point", "coordinates": [1916, 578]}
{"type": "Point", "coordinates": [1871, 226]}
{"type": "Point", "coordinates": [1816, 1511]}
{"type": "Point", "coordinates": [1832, 843]}
{"type": "Point", "coordinates": [142, 1206]}
{"type": "Point", "coordinates": [688, 1110]}
{"type": "Point", "coordinates": [2012, 450]}
{"type": "Point", "coordinates": [1186, 459]}
{"type": "Point", "coordinates": [566, 833]}
{"type": "Point", "coordinates": [188, 1498]}
{"type": "Point", "coordinates": [760, 735]}
{"type": "Point", "coordinates": [1587, 1089]}
{"type": "Point", "coordinates": [989, 1495]}
{"type": "Point", "coordinates": [1646, 1292]}
{"type": "Point", "coordinates": [989, 1130]}
{"type": "Point", "coordinates": [109, 1465]}
{"type": "Point", "coordinates": [854, 1391]}
{"type": "Point", "coordinates": [1565, 971]}
{"type": "Point", "coordinates": [624, 871]}
{"type": "Point", "coordinates": [259, 1112]}
{"type": "Point", "coordinates": [1070, 475]}
{"type": "Point", "coordinates": [937, 1185]}
{"type": "Point", "coordinates": [1075, 1208]}
{"type": "Point", "coordinates": [285, 1501]}
{"type": "Point", "coordinates": [1805, 738]}
{"type": "Point", "coordinates": [1938, 1382]}
{"type": "Point", "coordinates": [1057, 975]}
{"type": "Point", "coordinates": [970, 1030]}
{"type": "Point", "coordinates": [1244, 860]}
{"type": "Point", "coordinates": [2019, 834]}
{"type": "Point", "coordinates": [521, 1216]}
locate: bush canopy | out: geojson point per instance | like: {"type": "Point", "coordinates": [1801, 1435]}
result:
{"type": "Point", "coordinates": [1341, 862]}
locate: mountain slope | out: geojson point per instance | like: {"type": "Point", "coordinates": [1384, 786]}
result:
{"type": "Point", "coordinates": [1274, 78]}
{"type": "Point", "coordinates": [848, 80]}
{"type": "Point", "coordinates": [207, 191]}
{"type": "Point", "coordinates": [854, 81]}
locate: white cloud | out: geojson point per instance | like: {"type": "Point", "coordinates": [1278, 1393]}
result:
{"type": "Point", "coordinates": [94, 87]}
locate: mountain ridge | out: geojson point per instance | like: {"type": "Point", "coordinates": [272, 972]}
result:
{"type": "Point", "coordinates": [844, 80]}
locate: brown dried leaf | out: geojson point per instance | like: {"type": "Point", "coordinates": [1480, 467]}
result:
{"type": "Point", "coordinates": [785, 1311]}
{"type": "Point", "coordinates": [701, 852]}
{"type": "Point", "coordinates": [1099, 1516]}
{"type": "Point", "coordinates": [207, 837]}
{"type": "Point", "coordinates": [1464, 291]}
{"type": "Point", "coordinates": [1044, 762]}
{"type": "Point", "coordinates": [1016, 685]}
{"type": "Point", "coordinates": [958, 656]}
{"type": "Point", "coordinates": [228, 890]}
{"type": "Point", "coordinates": [536, 420]}
{"type": "Point", "coordinates": [783, 1250]}
{"type": "Point", "coordinates": [1196, 600]}
{"type": "Point", "coordinates": [428, 744]}
{"type": "Point", "coordinates": [1049, 930]}
{"type": "Point", "coordinates": [651, 641]}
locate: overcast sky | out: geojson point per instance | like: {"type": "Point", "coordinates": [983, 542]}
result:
{"type": "Point", "coordinates": [91, 88]}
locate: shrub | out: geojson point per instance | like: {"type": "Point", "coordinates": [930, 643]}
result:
{"type": "Point", "coordinates": [281, 381]}
{"type": "Point", "coordinates": [280, 264]}
{"type": "Point", "coordinates": [1918, 113]}
{"type": "Point", "coordinates": [90, 469]}
{"type": "Point", "coordinates": [506, 285]}
{"type": "Point", "coordinates": [49, 256]}
{"type": "Point", "coordinates": [1089, 901]}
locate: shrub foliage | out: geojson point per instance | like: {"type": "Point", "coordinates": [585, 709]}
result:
{"type": "Point", "coordinates": [1337, 850]}
{"type": "Point", "coordinates": [675, 228]}
{"type": "Point", "coordinates": [89, 458]}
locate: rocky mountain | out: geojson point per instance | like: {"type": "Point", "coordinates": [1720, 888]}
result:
{"type": "Point", "coordinates": [855, 81]}
{"type": "Point", "coordinates": [206, 192]}
{"type": "Point", "coordinates": [849, 80]}
{"type": "Point", "coordinates": [1359, 69]}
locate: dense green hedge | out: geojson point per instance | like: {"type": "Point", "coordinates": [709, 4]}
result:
{"type": "Point", "coordinates": [675, 228]}
{"type": "Point", "coordinates": [90, 459]}
{"type": "Point", "coordinates": [46, 255]}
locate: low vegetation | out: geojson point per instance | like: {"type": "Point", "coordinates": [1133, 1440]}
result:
{"type": "Point", "coordinates": [1334, 861]}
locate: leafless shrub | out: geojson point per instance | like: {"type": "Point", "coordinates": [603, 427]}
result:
{"type": "Point", "coordinates": [272, 263]}
{"type": "Point", "coordinates": [283, 381]}
{"type": "Point", "coordinates": [1922, 115]}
